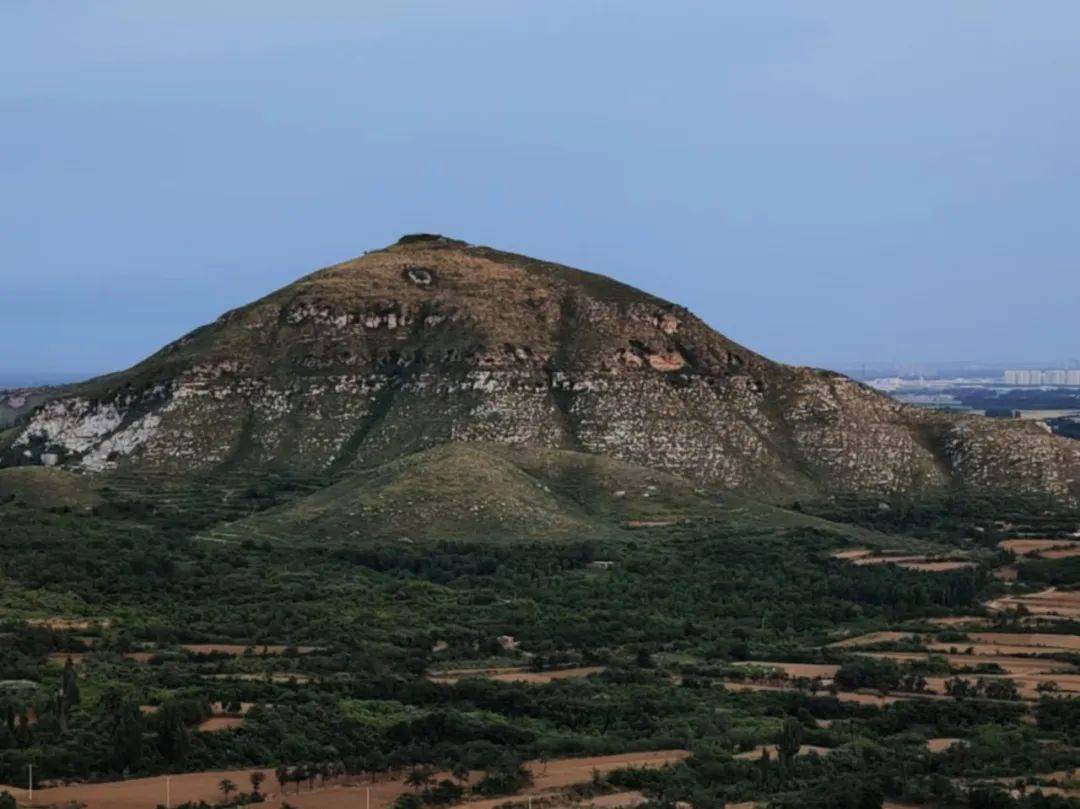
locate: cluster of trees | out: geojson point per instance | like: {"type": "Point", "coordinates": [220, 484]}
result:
{"type": "Point", "coordinates": [311, 773]}
{"type": "Point", "coordinates": [880, 674]}
{"type": "Point", "coordinates": [965, 688]}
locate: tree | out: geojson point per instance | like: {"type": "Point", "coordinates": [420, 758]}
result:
{"type": "Point", "coordinates": [122, 722]}
{"type": "Point", "coordinates": [281, 774]}
{"type": "Point", "coordinates": [790, 740]}
{"type": "Point", "coordinates": [257, 779]}
{"type": "Point", "coordinates": [67, 696]}
{"type": "Point", "coordinates": [174, 739]}
{"type": "Point", "coordinates": [461, 771]}
{"type": "Point", "coordinates": [7, 801]}
{"type": "Point", "coordinates": [419, 777]}
{"type": "Point", "coordinates": [227, 787]}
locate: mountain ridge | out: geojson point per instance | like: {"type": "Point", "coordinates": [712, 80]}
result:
{"type": "Point", "coordinates": [432, 341]}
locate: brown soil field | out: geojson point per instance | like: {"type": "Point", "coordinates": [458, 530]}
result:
{"type": "Point", "coordinates": [1011, 665]}
{"type": "Point", "coordinates": [61, 658]}
{"type": "Point", "coordinates": [617, 800]}
{"type": "Point", "coordinates": [1040, 640]}
{"type": "Point", "coordinates": [238, 650]}
{"type": "Point", "coordinates": [957, 620]}
{"type": "Point", "coordinates": [1026, 684]}
{"type": "Point", "coordinates": [453, 675]}
{"type": "Point", "coordinates": [1007, 573]}
{"type": "Point", "coordinates": [870, 639]}
{"type": "Point", "coordinates": [936, 567]}
{"type": "Point", "coordinates": [515, 675]}
{"type": "Point", "coordinates": [823, 670]}
{"type": "Point", "coordinates": [650, 523]}
{"type": "Point", "coordinates": [1061, 553]}
{"type": "Point", "coordinates": [567, 772]}
{"type": "Point", "coordinates": [276, 677]}
{"type": "Point", "coordinates": [143, 793]}
{"type": "Point", "coordinates": [886, 560]}
{"type": "Point", "coordinates": [941, 745]}
{"type": "Point", "coordinates": [856, 697]}
{"type": "Point", "coordinates": [852, 553]}
{"type": "Point", "coordinates": [921, 562]}
{"type": "Point", "coordinates": [216, 723]}
{"type": "Point", "coordinates": [547, 676]}
{"type": "Point", "coordinates": [1025, 547]}
{"type": "Point", "coordinates": [1051, 783]}
{"type": "Point", "coordinates": [1049, 602]}
{"type": "Point", "coordinates": [67, 624]}
{"type": "Point", "coordinates": [988, 650]}
{"type": "Point", "coordinates": [774, 751]}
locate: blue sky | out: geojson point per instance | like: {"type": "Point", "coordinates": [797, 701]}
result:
{"type": "Point", "coordinates": [828, 182]}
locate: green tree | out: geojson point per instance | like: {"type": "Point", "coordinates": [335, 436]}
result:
{"type": "Point", "coordinates": [122, 723]}
{"type": "Point", "coordinates": [419, 777]}
{"type": "Point", "coordinates": [174, 738]}
{"type": "Point", "coordinates": [790, 740]}
{"type": "Point", "coordinates": [257, 779]}
{"type": "Point", "coordinates": [227, 788]}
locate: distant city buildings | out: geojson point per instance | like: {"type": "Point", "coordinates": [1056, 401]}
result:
{"type": "Point", "coordinates": [1032, 377]}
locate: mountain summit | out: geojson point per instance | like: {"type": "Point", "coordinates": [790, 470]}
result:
{"type": "Point", "coordinates": [434, 341]}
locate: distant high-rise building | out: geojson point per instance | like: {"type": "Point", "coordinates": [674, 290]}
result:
{"type": "Point", "coordinates": [1032, 377]}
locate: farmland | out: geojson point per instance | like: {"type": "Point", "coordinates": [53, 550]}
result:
{"type": "Point", "coordinates": [797, 661]}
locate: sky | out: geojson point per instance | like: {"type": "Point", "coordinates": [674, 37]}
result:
{"type": "Point", "coordinates": [828, 183]}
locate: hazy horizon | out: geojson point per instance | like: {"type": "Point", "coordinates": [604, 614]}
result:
{"type": "Point", "coordinates": [822, 184]}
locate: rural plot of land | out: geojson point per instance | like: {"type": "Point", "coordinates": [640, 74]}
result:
{"type": "Point", "coordinates": [937, 563]}
{"type": "Point", "coordinates": [140, 793]}
{"type": "Point", "coordinates": [1045, 548]}
{"type": "Point", "coordinates": [1048, 603]}
{"type": "Point", "coordinates": [515, 674]}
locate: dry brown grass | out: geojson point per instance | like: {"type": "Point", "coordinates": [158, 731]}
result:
{"type": "Point", "coordinates": [774, 751]}
{"type": "Point", "coordinates": [941, 745]}
{"type": "Point", "coordinates": [1048, 603]}
{"type": "Point", "coordinates": [1026, 547]}
{"type": "Point", "coordinates": [1010, 665]}
{"type": "Point", "coordinates": [871, 639]}
{"type": "Point", "coordinates": [216, 723]}
{"type": "Point", "coordinates": [823, 670]}
{"type": "Point", "coordinates": [515, 674]}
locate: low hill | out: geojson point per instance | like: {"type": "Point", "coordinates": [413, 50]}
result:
{"type": "Point", "coordinates": [485, 491]}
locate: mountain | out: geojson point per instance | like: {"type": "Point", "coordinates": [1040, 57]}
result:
{"type": "Point", "coordinates": [433, 341]}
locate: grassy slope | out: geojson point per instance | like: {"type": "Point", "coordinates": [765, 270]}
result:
{"type": "Point", "coordinates": [485, 491]}
{"type": "Point", "coordinates": [43, 487]}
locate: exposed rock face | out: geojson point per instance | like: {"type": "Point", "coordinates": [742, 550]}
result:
{"type": "Point", "coordinates": [432, 340]}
